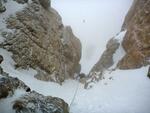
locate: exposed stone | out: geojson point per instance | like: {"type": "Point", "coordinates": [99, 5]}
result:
{"type": "Point", "coordinates": [105, 62]}
{"type": "Point", "coordinates": [31, 102]}
{"type": "Point", "coordinates": [137, 39]}
{"type": "Point", "coordinates": [148, 74]}
{"type": "Point", "coordinates": [2, 8]}
{"type": "Point", "coordinates": [82, 78]}
{"type": "Point", "coordinates": [106, 59]}
{"type": "Point", "coordinates": [1, 59]}
{"type": "Point", "coordinates": [45, 3]}
{"type": "Point", "coordinates": [9, 84]}
{"type": "Point", "coordinates": [37, 103]}
{"type": "Point", "coordinates": [21, 1]}
{"type": "Point", "coordinates": [41, 41]}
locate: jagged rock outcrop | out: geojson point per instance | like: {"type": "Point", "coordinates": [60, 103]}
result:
{"type": "Point", "coordinates": [148, 74]}
{"type": "Point", "coordinates": [42, 42]}
{"type": "Point", "coordinates": [105, 62]}
{"type": "Point", "coordinates": [2, 8]}
{"type": "Point", "coordinates": [31, 101]}
{"type": "Point", "coordinates": [9, 84]}
{"type": "Point", "coordinates": [137, 39]}
{"type": "Point", "coordinates": [37, 103]}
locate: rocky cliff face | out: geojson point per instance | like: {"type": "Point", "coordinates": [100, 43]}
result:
{"type": "Point", "coordinates": [104, 63]}
{"type": "Point", "coordinates": [30, 101]}
{"type": "Point", "coordinates": [41, 41]}
{"type": "Point", "coordinates": [137, 39]}
{"type": "Point", "coordinates": [136, 43]}
{"type": "Point", "coordinates": [26, 100]}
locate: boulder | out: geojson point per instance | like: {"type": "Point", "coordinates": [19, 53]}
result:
{"type": "Point", "coordinates": [9, 84]}
{"type": "Point", "coordinates": [2, 8]}
{"type": "Point", "coordinates": [34, 102]}
{"type": "Point", "coordinates": [30, 101]}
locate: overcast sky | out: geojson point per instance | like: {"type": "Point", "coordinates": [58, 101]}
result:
{"type": "Point", "coordinates": [94, 22]}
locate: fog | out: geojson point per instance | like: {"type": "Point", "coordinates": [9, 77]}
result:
{"type": "Point", "coordinates": [94, 22]}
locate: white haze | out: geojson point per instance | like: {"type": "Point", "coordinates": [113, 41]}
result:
{"type": "Point", "coordinates": [94, 22]}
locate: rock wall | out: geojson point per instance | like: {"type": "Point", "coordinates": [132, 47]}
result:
{"type": "Point", "coordinates": [106, 60]}
{"type": "Point", "coordinates": [41, 41]}
{"type": "Point", "coordinates": [137, 39]}
{"type": "Point", "coordinates": [104, 63]}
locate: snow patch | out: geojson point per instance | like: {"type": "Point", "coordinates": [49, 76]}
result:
{"type": "Point", "coordinates": [126, 91]}
{"type": "Point", "coordinates": [11, 8]}
{"type": "Point", "coordinates": [6, 104]}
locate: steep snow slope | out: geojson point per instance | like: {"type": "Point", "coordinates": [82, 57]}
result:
{"type": "Point", "coordinates": [126, 91]}
{"type": "Point", "coordinates": [120, 91]}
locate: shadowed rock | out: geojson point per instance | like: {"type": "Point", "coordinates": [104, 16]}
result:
{"type": "Point", "coordinates": [9, 84]}
{"type": "Point", "coordinates": [148, 74]}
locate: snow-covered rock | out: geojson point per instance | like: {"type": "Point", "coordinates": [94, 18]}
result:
{"type": "Point", "coordinates": [9, 84]}
{"type": "Point", "coordinates": [36, 41]}
{"type": "Point", "coordinates": [38, 103]}
{"type": "Point", "coordinates": [104, 63]}
{"type": "Point", "coordinates": [24, 102]}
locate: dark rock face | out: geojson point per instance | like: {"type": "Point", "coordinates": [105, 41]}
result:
{"type": "Point", "coordinates": [148, 74]}
{"type": "Point", "coordinates": [21, 1]}
{"type": "Point", "coordinates": [35, 103]}
{"type": "Point", "coordinates": [42, 42]}
{"type": "Point", "coordinates": [1, 59]}
{"type": "Point", "coordinates": [9, 84]}
{"type": "Point", "coordinates": [2, 8]}
{"type": "Point", "coordinates": [137, 39]}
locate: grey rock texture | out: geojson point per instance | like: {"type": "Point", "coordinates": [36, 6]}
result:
{"type": "Point", "coordinates": [148, 74]}
{"type": "Point", "coordinates": [9, 84]}
{"type": "Point", "coordinates": [105, 61]}
{"type": "Point", "coordinates": [137, 39]}
{"type": "Point", "coordinates": [37, 103]}
{"type": "Point", "coordinates": [31, 101]}
{"type": "Point", "coordinates": [42, 42]}
{"type": "Point", "coordinates": [45, 3]}
{"type": "Point", "coordinates": [2, 7]}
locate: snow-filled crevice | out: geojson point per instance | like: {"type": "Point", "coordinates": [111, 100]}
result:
{"type": "Point", "coordinates": [94, 22]}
